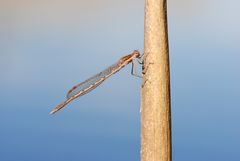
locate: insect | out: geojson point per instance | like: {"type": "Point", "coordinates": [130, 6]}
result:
{"type": "Point", "coordinates": [94, 81]}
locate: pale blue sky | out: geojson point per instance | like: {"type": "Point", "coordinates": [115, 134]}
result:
{"type": "Point", "coordinates": [47, 47]}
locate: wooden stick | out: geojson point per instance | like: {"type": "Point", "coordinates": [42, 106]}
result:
{"type": "Point", "coordinates": [155, 104]}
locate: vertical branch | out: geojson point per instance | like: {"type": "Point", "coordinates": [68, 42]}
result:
{"type": "Point", "coordinates": [155, 105]}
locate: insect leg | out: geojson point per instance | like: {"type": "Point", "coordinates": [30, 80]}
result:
{"type": "Point", "coordinates": [133, 71]}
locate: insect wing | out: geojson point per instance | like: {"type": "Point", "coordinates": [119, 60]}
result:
{"type": "Point", "coordinates": [92, 82]}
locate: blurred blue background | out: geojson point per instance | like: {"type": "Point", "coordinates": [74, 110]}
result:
{"type": "Point", "coordinates": [46, 47]}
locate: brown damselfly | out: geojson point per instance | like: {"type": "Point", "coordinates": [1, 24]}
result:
{"type": "Point", "coordinates": [94, 81]}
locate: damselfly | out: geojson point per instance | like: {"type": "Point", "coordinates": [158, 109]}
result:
{"type": "Point", "coordinates": [91, 83]}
